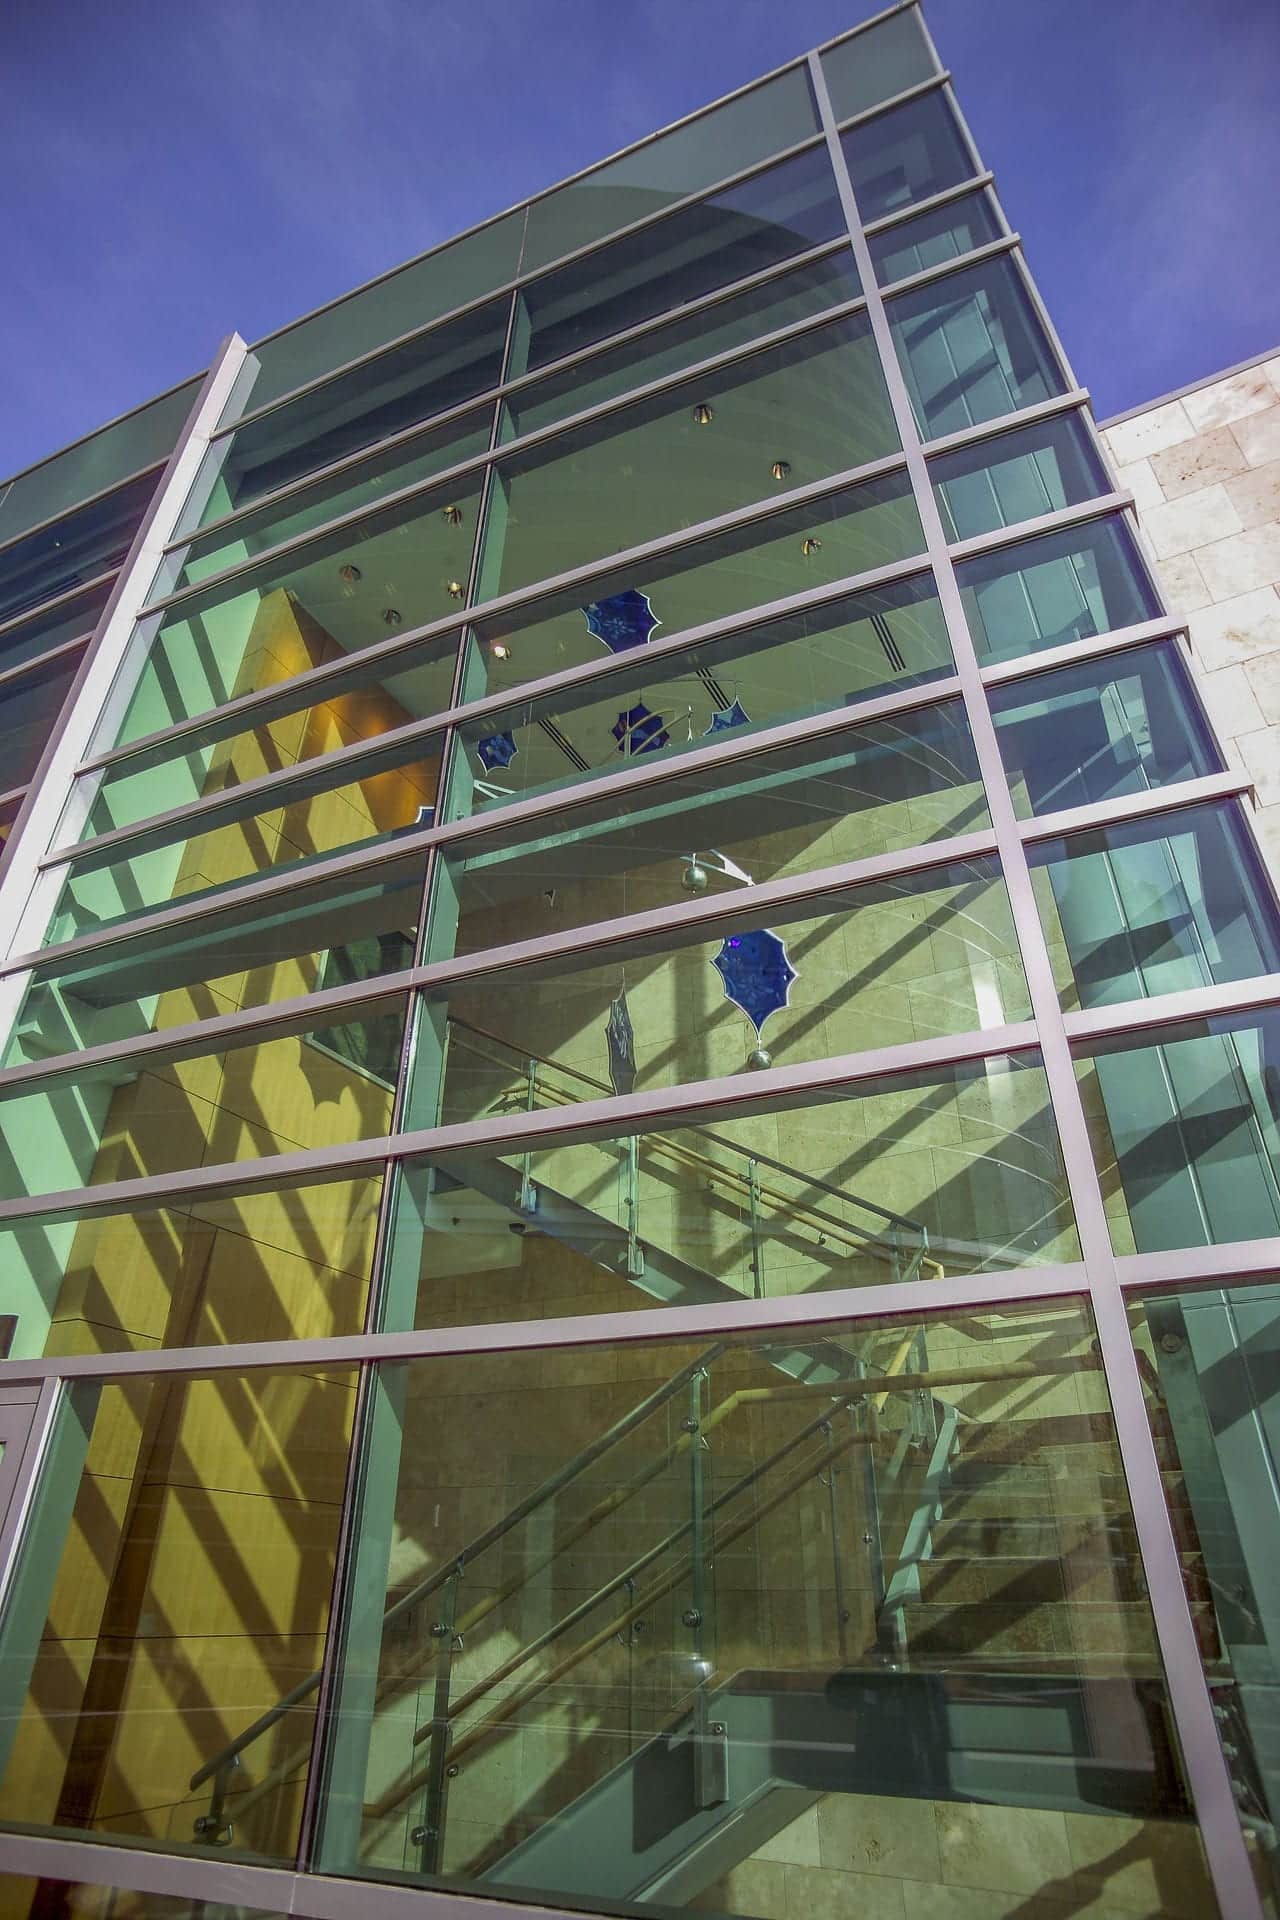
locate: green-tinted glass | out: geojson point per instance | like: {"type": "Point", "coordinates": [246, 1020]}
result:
{"type": "Point", "coordinates": [403, 567]}
{"type": "Point", "coordinates": [316, 1087]}
{"type": "Point", "coordinates": [141, 439]}
{"type": "Point", "coordinates": [792, 551]}
{"type": "Point", "coordinates": [365, 485]}
{"type": "Point", "coordinates": [875, 65]}
{"type": "Point", "coordinates": [817, 404]}
{"type": "Point", "coordinates": [682, 342]}
{"type": "Point", "coordinates": [1017, 476]}
{"type": "Point", "coordinates": [1210, 1362]}
{"type": "Point", "coordinates": [1155, 906]}
{"type": "Point", "coordinates": [176, 1577]}
{"type": "Point", "coordinates": [29, 708]}
{"type": "Point", "coordinates": [249, 956]}
{"type": "Point", "coordinates": [1122, 724]}
{"type": "Point", "coordinates": [69, 620]}
{"type": "Point", "coordinates": [809, 662]}
{"type": "Point", "coordinates": [244, 833]}
{"type": "Point", "coordinates": [357, 702]}
{"type": "Point", "coordinates": [907, 154]}
{"type": "Point", "coordinates": [425, 290]}
{"type": "Point", "coordinates": [931, 239]}
{"type": "Point", "coordinates": [59, 558]}
{"type": "Point", "coordinates": [894, 783]}
{"type": "Point", "coordinates": [931, 953]}
{"type": "Point", "coordinates": [1186, 1132]}
{"type": "Point", "coordinates": [971, 348]}
{"type": "Point", "coordinates": [725, 141]}
{"type": "Point", "coordinates": [1057, 588]}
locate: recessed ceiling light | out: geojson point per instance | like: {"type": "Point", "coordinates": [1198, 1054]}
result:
{"type": "Point", "coordinates": [500, 650]}
{"type": "Point", "coordinates": [453, 516]}
{"type": "Point", "coordinates": [392, 616]}
{"type": "Point", "coordinates": [702, 414]}
{"type": "Point", "coordinates": [780, 469]}
{"type": "Point", "coordinates": [456, 589]}
{"type": "Point", "coordinates": [349, 573]}
{"type": "Point", "coordinates": [810, 545]}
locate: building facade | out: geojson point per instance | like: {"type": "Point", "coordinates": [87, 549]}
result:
{"type": "Point", "coordinates": [639, 1096]}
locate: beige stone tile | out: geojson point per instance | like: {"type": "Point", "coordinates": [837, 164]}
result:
{"type": "Point", "coordinates": [1148, 432]}
{"type": "Point", "coordinates": [1231, 701]}
{"type": "Point", "coordinates": [878, 1834]}
{"type": "Point", "coordinates": [1140, 1866]}
{"type": "Point", "coordinates": [756, 1889]}
{"type": "Point", "coordinates": [1261, 752]}
{"type": "Point", "coordinates": [1197, 463]}
{"type": "Point", "coordinates": [1263, 675]}
{"type": "Point", "coordinates": [1259, 437]}
{"type": "Point", "coordinates": [1237, 629]}
{"type": "Point", "coordinates": [1225, 400]}
{"type": "Point", "coordinates": [821, 1893]}
{"type": "Point", "coordinates": [1241, 563]}
{"type": "Point", "coordinates": [1143, 484]}
{"type": "Point", "coordinates": [983, 1903]}
{"type": "Point", "coordinates": [1183, 583]}
{"type": "Point", "coordinates": [1255, 495]}
{"type": "Point", "coordinates": [1009, 1849]}
{"type": "Point", "coordinates": [1193, 522]}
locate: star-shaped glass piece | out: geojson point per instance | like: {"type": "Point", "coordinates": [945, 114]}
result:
{"type": "Point", "coordinates": [499, 750]}
{"type": "Point", "coordinates": [756, 972]}
{"type": "Point", "coordinates": [726, 717]}
{"type": "Point", "coordinates": [623, 620]}
{"type": "Point", "coordinates": [636, 730]}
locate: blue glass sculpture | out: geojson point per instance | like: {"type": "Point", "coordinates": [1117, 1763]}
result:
{"type": "Point", "coordinates": [623, 620]}
{"type": "Point", "coordinates": [499, 750]}
{"type": "Point", "coordinates": [725, 717]}
{"type": "Point", "coordinates": [636, 730]}
{"type": "Point", "coordinates": [756, 974]}
{"type": "Point", "coordinates": [620, 1036]}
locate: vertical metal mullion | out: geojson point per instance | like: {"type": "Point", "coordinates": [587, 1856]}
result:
{"type": "Point", "coordinates": [1188, 1689]}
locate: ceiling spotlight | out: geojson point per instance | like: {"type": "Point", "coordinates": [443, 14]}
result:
{"type": "Point", "coordinates": [392, 616]}
{"type": "Point", "coordinates": [500, 650]}
{"type": "Point", "coordinates": [456, 589]}
{"type": "Point", "coordinates": [453, 516]}
{"type": "Point", "coordinates": [702, 414]}
{"type": "Point", "coordinates": [780, 469]}
{"type": "Point", "coordinates": [349, 574]}
{"type": "Point", "coordinates": [810, 545]}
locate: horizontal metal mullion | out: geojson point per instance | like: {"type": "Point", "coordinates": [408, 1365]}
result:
{"type": "Point", "coordinates": [1122, 1018]}
{"type": "Point", "coordinates": [14, 793]}
{"type": "Point", "coordinates": [46, 659]}
{"type": "Point", "coordinates": [91, 499]}
{"type": "Point", "coordinates": [1026, 666]}
{"type": "Point", "coordinates": [1097, 507]}
{"type": "Point", "coordinates": [654, 1111]}
{"type": "Point", "coordinates": [991, 250]}
{"type": "Point", "coordinates": [1213, 1266]}
{"type": "Point", "coordinates": [943, 198]}
{"type": "Point", "coordinates": [476, 463]}
{"type": "Point", "coordinates": [1135, 806]}
{"type": "Point", "coordinates": [1004, 423]}
{"type": "Point", "coordinates": [57, 600]}
{"type": "Point", "coordinates": [295, 489]}
{"type": "Point", "coordinates": [913, 92]}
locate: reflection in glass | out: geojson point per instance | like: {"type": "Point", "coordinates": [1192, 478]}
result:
{"type": "Point", "coordinates": [931, 239]}
{"type": "Point", "coordinates": [877, 64]}
{"type": "Point", "coordinates": [892, 783]}
{"type": "Point", "coordinates": [713, 1562]}
{"type": "Point", "coordinates": [1017, 476]}
{"type": "Point", "coordinates": [70, 620]}
{"type": "Point", "coordinates": [1056, 588]}
{"type": "Point", "coordinates": [143, 438]}
{"type": "Point", "coordinates": [1123, 724]}
{"type": "Point", "coordinates": [971, 348]}
{"type": "Point", "coordinates": [1186, 1131]}
{"type": "Point", "coordinates": [29, 709]}
{"type": "Point", "coordinates": [807, 662]}
{"type": "Point", "coordinates": [72, 551]}
{"type": "Point", "coordinates": [177, 1578]}
{"type": "Point", "coordinates": [1155, 906]}
{"type": "Point", "coordinates": [1210, 1364]}
{"type": "Point", "coordinates": [907, 154]}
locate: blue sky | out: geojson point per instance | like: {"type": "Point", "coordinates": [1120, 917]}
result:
{"type": "Point", "coordinates": [174, 172]}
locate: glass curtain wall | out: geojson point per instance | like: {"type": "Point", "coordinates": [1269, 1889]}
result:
{"type": "Point", "coordinates": [639, 1137]}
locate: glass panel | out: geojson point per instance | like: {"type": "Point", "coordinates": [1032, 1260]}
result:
{"type": "Point", "coordinates": [927, 954]}
{"type": "Point", "coordinates": [8, 814]}
{"type": "Point", "coordinates": [347, 590]}
{"type": "Point", "coordinates": [1017, 476]}
{"type": "Point", "coordinates": [907, 154]}
{"type": "Point", "coordinates": [875, 65]}
{"type": "Point", "coordinates": [1210, 1363]}
{"type": "Point", "coordinates": [971, 348]}
{"type": "Point", "coordinates": [794, 550]}
{"type": "Point", "coordinates": [724, 141]}
{"type": "Point", "coordinates": [29, 710]}
{"type": "Point", "coordinates": [141, 439]}
{"type": "Point", "coordinates": [674, 1628]}
{"type": "Point", "coordinates": [175, 1585]}
{"type": "Point", "coordinates": [931, 239]}
{"type": "Point", "coordinates": [321, 1086]}
{"type": "Point", "coordinates": [1155, 906]}
{"type": "Point", "coordinates": [414, 295]}
{"type": "Point", "coordinates": [366, 485]}
{"type": "Point", "coordinates": [688, 456]}
{"type": "Point", "coordinates": [720, 691]}
{"type": "Point", "coordinates": [426, 375]}
{"type": "Point", "coordinates": [896, 783]}
{"type": "Point", "coordinates": [1124, 724]}
{"type": "Point", "coordinates": [1057, 588]}
{"type": "Point", "coordinates": [1186, 1132]}
{"type": "Point", "coordinates": [48, 630]}
{"type": "Point", "coordinates": [678, 344]}
{"type": "Point", "coordinates": [252, 956]}
{"type": "Point", "coordinates": [72, 551]}
{"type": "Point", "coordinates": [357, 704]}
{"type": "Point", "coordinates": [744, 230]}
{"type": "Point", "coordinates": [321, 813]}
